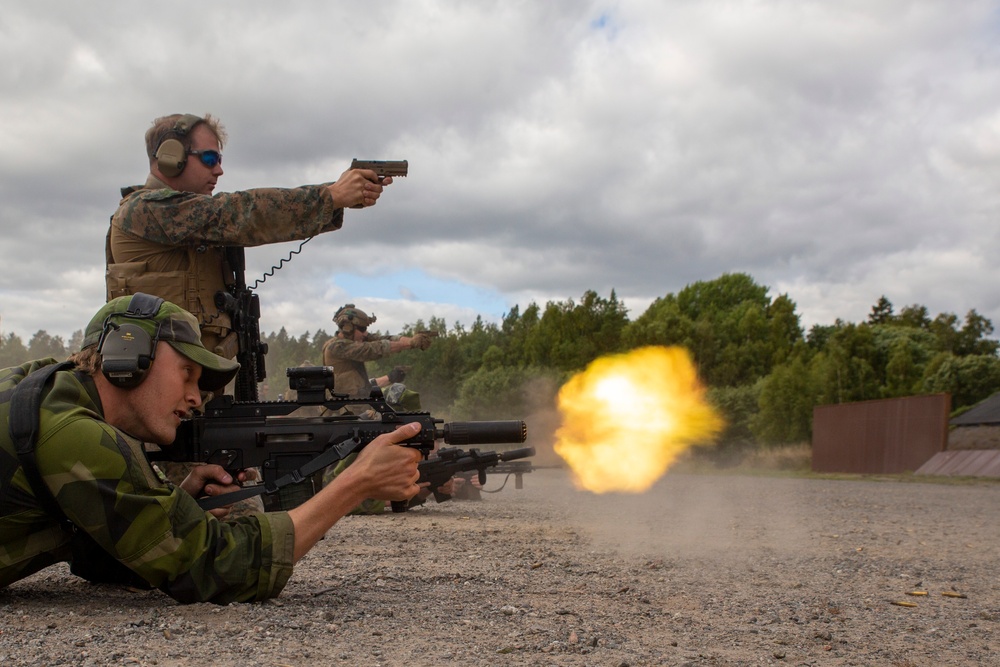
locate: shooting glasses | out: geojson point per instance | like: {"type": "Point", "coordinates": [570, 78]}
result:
{"type": "Point", "coordinates": [208, 158]}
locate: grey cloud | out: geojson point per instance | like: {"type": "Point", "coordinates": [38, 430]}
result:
{"type": "Point", "coordinates": [834, 152]}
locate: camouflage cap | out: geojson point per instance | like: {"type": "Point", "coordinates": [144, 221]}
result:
{"type": "Point", "coordinates": [349, 316]}
{"type": "Point", "coordinates": [171, 324]}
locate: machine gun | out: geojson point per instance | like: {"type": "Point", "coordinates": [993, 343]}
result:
{"type": "Point", "coordinates": [291, 450]}
{"type": "Point", "coordinates": [243, 308]}
{"type": "Point", "coordinates": [452, 461]}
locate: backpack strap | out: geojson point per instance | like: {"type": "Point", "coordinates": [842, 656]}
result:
{"type": "Point", "coordinates": [89, 561]}
{"type": "Point", "coordinates": [25, 403]}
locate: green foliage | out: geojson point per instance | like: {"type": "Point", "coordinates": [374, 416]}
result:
{"type": "Point", "coordinates": [733, 329]}
{"type": "Point", "coordinates": [763, 373]}
{"type": "Point", "coordinates": [968, 379]}
{"type": "Point", "coordinates": [972, 338]}
{"type": "Point", "coordinates": [505, 392]}
{"type": "Point", "coordinates": [881, 312]}
{"type": "Point", "coordinates": [901, 353]}
{"type": "Point", "coordinates": [286, 352]}
{"type": "Point", "coordinates": [568, 336]}
{"type": "Point", "coordinates": [737, 406]}
{"type": "Point", "coordinates": [845, 369]}
{"type": "Point", "coordinates": [43, 345]}
{"type": "Point", "coordinates": [787, 398]}
{"type": "Point", "coordinates": [437, 372]}
{"type": "Point", "coordinates": [12, 351]}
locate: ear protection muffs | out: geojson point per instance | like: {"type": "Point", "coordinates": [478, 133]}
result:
{"type": "Point", "coordinates": [127, 350]}
{"type": "Point", "coordinates": [171, 154]}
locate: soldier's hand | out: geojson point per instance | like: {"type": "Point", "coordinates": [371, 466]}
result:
{"type": "Point", "coordinates": [357, 188]}
{"type": "Point", "coordinates": [420, 341]}
{"type": "Point", "coordinates": [397, 374]}
{"type": "Point", "coordinates": [213, 480]}
{"type": "Point", "coordinates": [390, 471]}
{"type": "Point", "coordinates": [450, 487]}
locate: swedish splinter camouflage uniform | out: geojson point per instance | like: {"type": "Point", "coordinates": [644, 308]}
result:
{"type": "Point", "coordinates": [103, 483]}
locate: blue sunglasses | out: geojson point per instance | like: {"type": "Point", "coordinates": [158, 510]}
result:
{"type": "Point", "coordinates": [208, 158]}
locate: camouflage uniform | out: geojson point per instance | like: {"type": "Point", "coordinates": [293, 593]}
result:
{"type": "Point", "coordinates": [101, 480]}
{"type": "Point", "coordinates": [348, 357]}
{"type": "Point", "coordinates": [401, 399]}
{"type": "Point", "coordinates": [172, 244]}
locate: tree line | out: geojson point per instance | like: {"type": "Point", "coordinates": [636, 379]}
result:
{"type": "Point", "coordinates": [762, 370]}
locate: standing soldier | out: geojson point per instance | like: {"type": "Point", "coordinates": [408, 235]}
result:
{"type": "Point", "coordinates": [169, 236]}
{"type": "Point", "coordinates": [347, 353]}
{"type": "Point", "coordinates": [352, 346]}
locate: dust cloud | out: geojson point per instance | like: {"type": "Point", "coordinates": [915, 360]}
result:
{"type": "Point", "coordinates": [685, 516]}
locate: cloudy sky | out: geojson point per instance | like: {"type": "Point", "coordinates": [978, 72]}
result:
{"type": "Point", "coordinates": [835, 151]}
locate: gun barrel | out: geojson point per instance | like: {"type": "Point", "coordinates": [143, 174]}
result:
{"type": "Point", "coordinates": [485, 432]}
{"type": "Point", "coordinates": [522, 453]}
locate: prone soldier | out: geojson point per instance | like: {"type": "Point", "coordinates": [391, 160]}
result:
{"type": "Point", "coordinates": [76, 486]}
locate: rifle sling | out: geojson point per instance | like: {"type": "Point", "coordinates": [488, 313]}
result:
{"type": "Point", "coordinates": [331, 455]}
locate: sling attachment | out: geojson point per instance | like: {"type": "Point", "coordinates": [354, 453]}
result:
{"type": "Point", "coordinates": [341, 450]}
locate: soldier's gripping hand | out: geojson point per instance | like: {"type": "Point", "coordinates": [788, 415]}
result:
{"type": "Point", "coordinates": [213, 480]}
{"type": "Point", "coordinates": [420, 341]}
{"type": "Point", "coordinates": [357, 188]}
{"type": "Point", "coordinates": [388, 470]}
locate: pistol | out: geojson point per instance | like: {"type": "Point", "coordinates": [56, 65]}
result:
{"type": "Point", "coordinates": [382, 168]}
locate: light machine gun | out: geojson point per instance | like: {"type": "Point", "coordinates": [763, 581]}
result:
{"type": "Point", "coordinates": [290, 450]}
{"type": "Point", "coordinates": [452, 461]}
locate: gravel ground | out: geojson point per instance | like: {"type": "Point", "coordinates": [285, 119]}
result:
{"type": "Point", "coordinates": [701, 570]}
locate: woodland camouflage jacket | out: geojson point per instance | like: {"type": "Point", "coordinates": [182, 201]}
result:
{"type": "Point", "coordinates": [103, 483]}
{"type": "Point", "coordinates": [159, 214]}
{"type": "Point", "coordinates": [170, 243]}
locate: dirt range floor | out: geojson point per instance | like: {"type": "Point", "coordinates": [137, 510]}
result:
{"type": "Point", "coordinates": [701, 570]}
